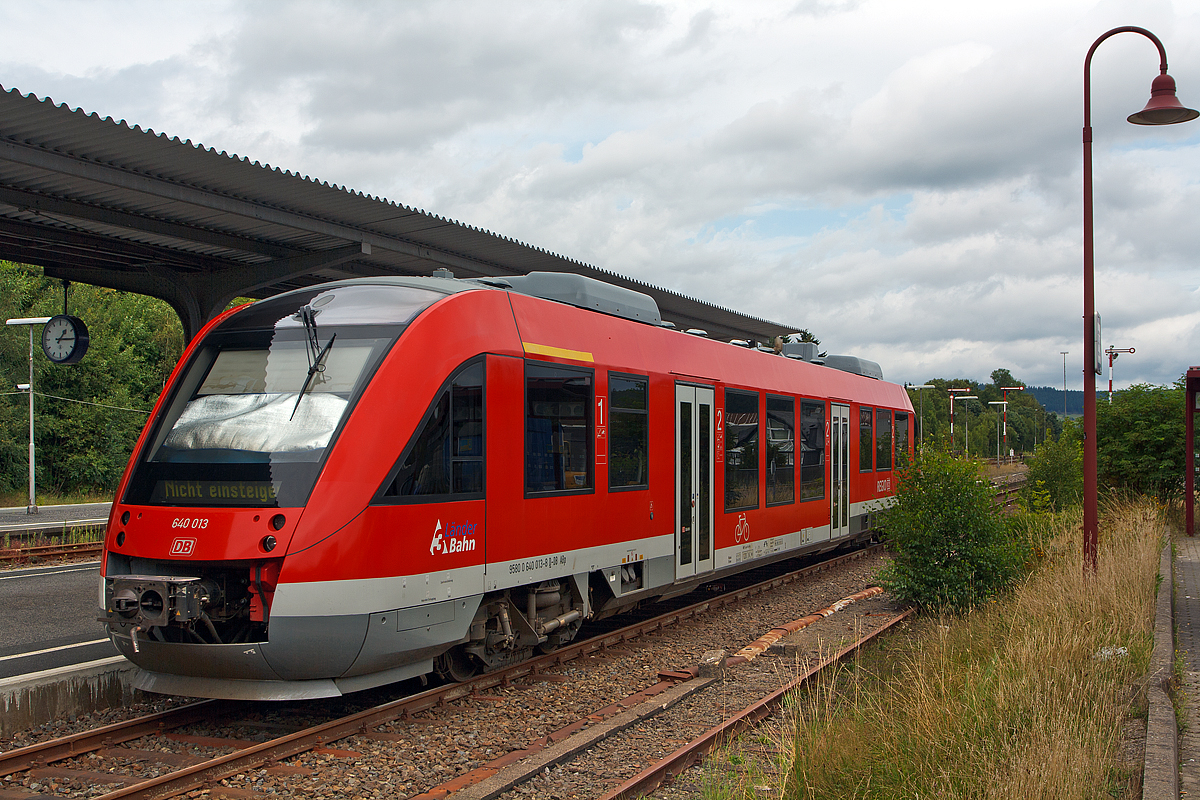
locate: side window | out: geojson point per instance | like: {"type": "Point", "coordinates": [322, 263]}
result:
{"type": "Point", "coordinates": [629, 432]}
{"type": "Point", "coordinates": [558, 428]}
{"type": "Point", "coordinates": [741, 450]}
{"type": "Point", "coordinates": [901, 435]}
{"type": "Point", "coordinates": [866, 439]}
{"type": "Point", "coordinates": [883, 439]}
{"type": "Point", "coordinates": [446, 455]}
{"type": "Point", "coordinates": [781, 450]}
{"type": "Point", "coordinates": [812, 450]}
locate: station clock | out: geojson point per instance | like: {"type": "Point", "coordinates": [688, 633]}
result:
{"type": "Point", "coordinates": [65, 339]}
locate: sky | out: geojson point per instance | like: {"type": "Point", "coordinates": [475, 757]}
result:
{"type": "Point", "coordinates": [902, 178]}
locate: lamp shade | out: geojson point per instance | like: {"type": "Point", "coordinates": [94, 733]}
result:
{"type": "Point", "coordinates": [1164, 108]}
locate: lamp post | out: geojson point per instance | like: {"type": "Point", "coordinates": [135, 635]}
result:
{"type": "Point", "coordinates": [966, 420]}
{"type": "Point", "coordinates": [1006, 390]}
{"type": "Point", "coordinates": [30, 321]}
{"type": "Point", "coordinates": [1005, 404]}
{"type": "Point", "coordinates": [1112, 352]}
{"type": "Point", "coordinates": [1162, 109]}
{"type": "Point", "coordinates": [921, 430]}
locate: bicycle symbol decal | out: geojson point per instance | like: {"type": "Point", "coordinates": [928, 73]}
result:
{"type": "Point", "coordinates": [742, 532]}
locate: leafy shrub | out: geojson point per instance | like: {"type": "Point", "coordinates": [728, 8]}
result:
{"type": "Point", "coordinates": [952, 547]}
{"type": "Point", "coordinates": [1055, 477]}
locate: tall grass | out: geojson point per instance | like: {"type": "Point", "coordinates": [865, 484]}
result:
{"type": "Point", "coordinates": [1023, 698]}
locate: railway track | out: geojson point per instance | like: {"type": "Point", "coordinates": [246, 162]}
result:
{"type": "Point", "coordinates": [223, 748]}
{"type": "Point", "coordinates": [673, 765]}
{"type": "Point", "coordinates": [1009, 491]}
{"type": "Point", "coordinates": [43, 552]}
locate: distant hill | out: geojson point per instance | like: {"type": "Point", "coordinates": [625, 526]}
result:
{"type": "Point", "coordinates": [1052, 399]}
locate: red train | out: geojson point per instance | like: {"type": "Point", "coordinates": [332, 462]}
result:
{"type": "Point", "coordinates": [369, 480]}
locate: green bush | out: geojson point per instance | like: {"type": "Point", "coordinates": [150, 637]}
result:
{"type": "Point", "coordinates": [952, 546]}
{"type": "Point", "coordinates": [1054, 480]}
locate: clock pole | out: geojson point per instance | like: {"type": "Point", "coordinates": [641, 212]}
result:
{"type": "Point", "coordinates": [30, 321]}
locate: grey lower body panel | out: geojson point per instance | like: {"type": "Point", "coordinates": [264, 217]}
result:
{"type": "Point", "coordinates": [306, 657]}
{"type": "Point", "coordinates": [229, 689]}
{"type": "Point", "coordinates": [239, 689]}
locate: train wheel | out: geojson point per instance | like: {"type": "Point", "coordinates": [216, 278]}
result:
{"type": "Point", "coordinates": [455, 666]}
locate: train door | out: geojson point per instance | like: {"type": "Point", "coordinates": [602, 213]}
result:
{"type": "Point", "coordinates": [694, 451]}
{"type": "Point", "coordinates": [839, 470]}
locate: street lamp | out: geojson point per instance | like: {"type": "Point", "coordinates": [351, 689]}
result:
{"type": "Point", "coordinates": [1162, 109]}
{"type": "Point", "coordinates": [30, 321]}
{"type": "Point", "coordinates": [921, 430]}
{"type": "Point", "coordinates": [966, 420]}
{"type": "Point", "coordinates": [1112, 356]}
{"type": "Point", "coordinates": [1005, 404]}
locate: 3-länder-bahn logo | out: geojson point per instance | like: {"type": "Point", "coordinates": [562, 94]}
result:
{"type": "Point", "coordinates": [459, 537]}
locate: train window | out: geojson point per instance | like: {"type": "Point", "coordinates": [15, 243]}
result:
{"type": "Point", "coordinates": [812, 450]}
{"type": "Point", "coordinates": [883, 439]}
{"type": "Point", "coordinates": [446, 456]}
{"type": "Point", "coordinates": [741, 450]}
{"type": "Point", "coordinates": [781, 450]}
{"type": "Point", "coordinates": [558, 428]}
{"type": "Point", "coordinates": [629, 432]}
{"type": "Point", "coordinates": [866, 439]}
{"type": "Point", "coordinates": [251, 415]}
{"type": "Point", "coordinates": [901, 437]}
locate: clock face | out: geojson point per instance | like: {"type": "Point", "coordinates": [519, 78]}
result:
{"type": "Point", "coordinates": [64, 339]}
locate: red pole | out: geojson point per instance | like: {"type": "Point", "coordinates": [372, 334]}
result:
{"type": "Point", "coordinates": [1110, 360]}
{"type": "Point", "coordinates": [952, 422]}
{"type": "Point", "coordinates": [1192, 384]}
{"type": "Point", "coordinates": [1090, 491]}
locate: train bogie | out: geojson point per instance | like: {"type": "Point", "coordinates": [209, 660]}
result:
{"type": "Point", "coordinates": [371, 480]}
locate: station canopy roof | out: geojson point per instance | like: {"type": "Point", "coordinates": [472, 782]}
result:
{"type": "Point", "coordinates": [96, 201]}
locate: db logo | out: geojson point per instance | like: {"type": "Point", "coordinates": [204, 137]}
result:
{"type": "Point", "coordinates": [183, 547]}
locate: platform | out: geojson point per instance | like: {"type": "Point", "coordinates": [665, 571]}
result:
{"type": "Point", "coordinates": [52, 519]}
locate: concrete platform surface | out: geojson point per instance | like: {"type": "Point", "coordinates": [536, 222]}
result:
{"type": "Point", "coordinates": [52, 518]}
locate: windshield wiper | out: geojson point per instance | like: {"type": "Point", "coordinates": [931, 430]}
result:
{"type": "Point", "coordinates": [316, 360]}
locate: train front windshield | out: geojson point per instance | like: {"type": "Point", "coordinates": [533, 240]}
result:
{"type": "Point", "coordinates": [249, 420]}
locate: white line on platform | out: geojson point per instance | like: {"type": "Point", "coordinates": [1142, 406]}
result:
{"type": "Point", "coordinates": [50, 650]}
{"type": "Point", "coordinates": [29, 573]}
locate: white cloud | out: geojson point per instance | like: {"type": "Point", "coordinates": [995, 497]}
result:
{"type": "Point", "coordinates": [901, 178]}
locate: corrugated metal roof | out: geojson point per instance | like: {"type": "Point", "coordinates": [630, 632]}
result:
{"type": "Point", "coordinates": [95, 200]}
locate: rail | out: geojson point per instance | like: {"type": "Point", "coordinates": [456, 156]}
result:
{"type": "Point", "coordinates": [662, 771]}
{"type": "Point", "coordinates": [1008, 492]}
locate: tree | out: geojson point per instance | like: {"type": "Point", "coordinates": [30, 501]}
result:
{"type": "Point", "coordinates": [1140, 440]}
{"type": "Point", "coordinates": [1002, 377]}
{"type": "Point", "coordinates": [802, 335]}
{"type": "Point", "coordinates": [88, 415]}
